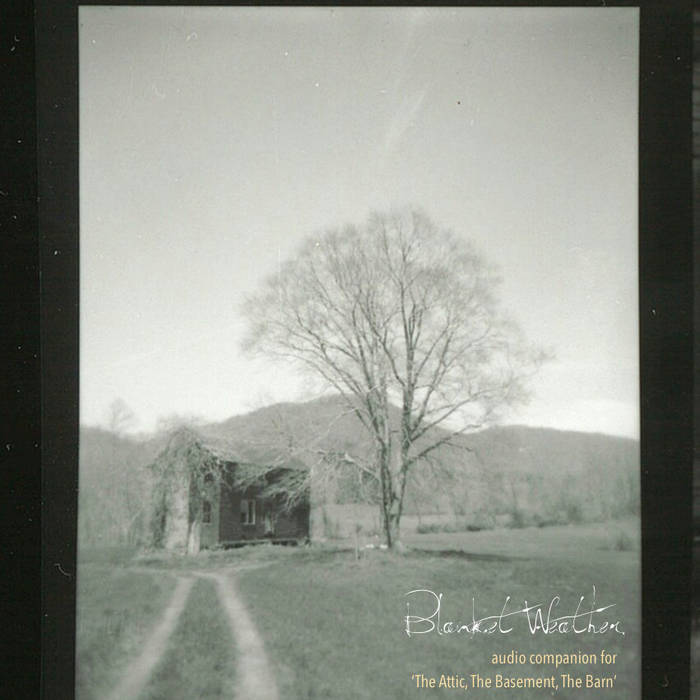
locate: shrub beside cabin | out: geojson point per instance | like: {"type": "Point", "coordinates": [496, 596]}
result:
{"type": "Point", "coordinates": [212, 493]}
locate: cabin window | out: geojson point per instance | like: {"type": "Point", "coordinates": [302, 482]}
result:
{"type": "Point", "coordinates": [247, 511]}
{"type": "Point", "coordinates": [206, 512]}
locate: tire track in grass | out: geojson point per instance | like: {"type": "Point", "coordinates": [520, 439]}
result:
{"type": "Point", "coordinates": [136, 675]}
{"type": "Point", "coordinates": [200, 659]}
{"type": "Point", "coordinates": [254, 677]}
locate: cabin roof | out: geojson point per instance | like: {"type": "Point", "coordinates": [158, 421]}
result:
{"type": "Point", "coordinates": [249, 452]}
{"type": "Point", "coordinates": [239, 450]}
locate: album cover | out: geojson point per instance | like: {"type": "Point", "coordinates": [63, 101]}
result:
{"type": "Point", "coordinates": [358, 410]}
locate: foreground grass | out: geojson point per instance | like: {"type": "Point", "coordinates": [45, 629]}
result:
{"type": "Point", "coordinates": [216, 559]}
{"type": "Point", "coordinates": [199, 662]}
{"type": "Point", "coordinates": [116, 610]}
{"type": "Point", "coordinates": [335, 627]}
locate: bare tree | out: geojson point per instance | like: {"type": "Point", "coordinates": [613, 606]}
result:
{"type": "Point", "coordinates": [120, 418]}
{"type": "Point", "coordinates": [396, 313]}
{"type": "Point", "coordinates": [171, 422]}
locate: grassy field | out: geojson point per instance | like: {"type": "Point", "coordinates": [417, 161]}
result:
{"type": "Point", "coordinates": [199, 662]}
{"type": "Point", "coordinates": [597, 541]}
{"type": "Point", "coordinates": [343, 520]}
{"type": "Point", "coordinates": [116, 609]}
{"type": "Point", "coordinates": [334, 627]}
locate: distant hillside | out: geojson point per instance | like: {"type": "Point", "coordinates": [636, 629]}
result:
{"type": "Point", "coordinates": [326, 422]}
{"type": "Point", "coordinates": [548, 451]}
{"type": "Point", "coordinates": [561, 476]}
{"type": "Point", "coordinates": [113, 487]}
{"type": "Point", "coordinates": [531, 474]}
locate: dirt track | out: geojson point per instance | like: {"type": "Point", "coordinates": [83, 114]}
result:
{"type": "Point", "coordinates": [254, 678]}
{"type": "Point", "coordinates": [136, 675]}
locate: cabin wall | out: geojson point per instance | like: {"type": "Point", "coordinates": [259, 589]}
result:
{"type": "Point", "coordinates": [281, 525]}
{"type": "Point", "coordinates": [293, 524]}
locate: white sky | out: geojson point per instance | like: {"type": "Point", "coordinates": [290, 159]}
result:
{"type": "Point", "coordinates": [213, 139]}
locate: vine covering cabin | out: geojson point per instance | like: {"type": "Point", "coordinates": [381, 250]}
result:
{"type": "Point", "coordinates": [208, 493]}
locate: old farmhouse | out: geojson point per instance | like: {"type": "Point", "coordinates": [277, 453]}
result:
{"type": "Point", "coordinates": [208, 492]}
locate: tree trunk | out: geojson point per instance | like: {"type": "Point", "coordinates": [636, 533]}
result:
{"type": "Point", "coordinates": [391, 520]}
{"type": "Point", "coordinates": [392, 531]}
{"type": "Point", "coordinates": [393, 511]}
{"type": "Point", "coordinates": [393, 472]}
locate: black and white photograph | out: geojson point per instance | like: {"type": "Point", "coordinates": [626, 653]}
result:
{"type": "Point", "coordinates": [359, 353]}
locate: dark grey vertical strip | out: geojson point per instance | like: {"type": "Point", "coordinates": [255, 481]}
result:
{"type": "Point", "coordinates": [57, 121]}
{"type": "Point", "coordinates": [20, 438]}
{"type": "Point", "coordinates": [695, 602]}
{"type": "Point", "coordinates": [666, 349]}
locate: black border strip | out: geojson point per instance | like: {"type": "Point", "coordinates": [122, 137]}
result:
{"type": "Point", "coordinates": [20, 465]}
{"type": "Point", "coordinates": [666, 358]}
{"type": "Point", "coordinates": [57, 121]}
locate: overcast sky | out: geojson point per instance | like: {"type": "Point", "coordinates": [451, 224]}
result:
{"type": "Point", "coordinates": [212, 140]}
